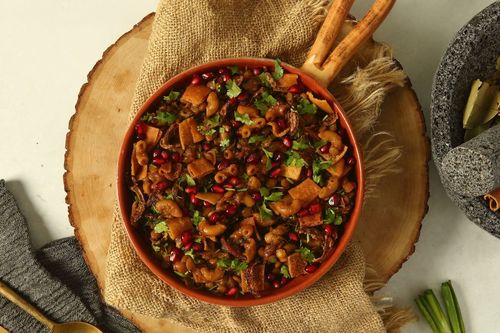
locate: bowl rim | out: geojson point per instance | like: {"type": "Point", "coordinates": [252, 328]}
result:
{"type": "Point", "coordinates": [297, 284]}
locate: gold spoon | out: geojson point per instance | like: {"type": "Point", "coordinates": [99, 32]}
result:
{"type": "Point", "coordinates": [71, 327]}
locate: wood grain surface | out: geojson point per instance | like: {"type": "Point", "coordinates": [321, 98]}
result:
{"type": "Point", "coordinates": [390, 223]}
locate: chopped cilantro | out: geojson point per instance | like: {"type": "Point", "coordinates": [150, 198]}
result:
{"type": "Point", "coordinates": [278, 70]}
{"type": "Point", "coordinates": [269, 155]}
{"type": "Point", "coordinates": [294, 159]}
{"type": "Point", "coordinates": [208, 132]}
{"type": "Point", "coordinates": [256, 138]}
{"type": "Point", "coordinates": [301, 144]}
{"type": "Point", "coordinates": [190, 253]}
{"type": "Point", "coordinates": [147, 117]}
{"type": "Point", "coordinates": [319, 165]}
{"type": "Point", "coordinates": [172, 96]}
{"type": "Point", "coordinates": [264, 192]}
{"type": "Point", "coordinates": [232, 89]}
{"type": "Point", "coordinates": [272, 260]}
{"type": "Point", "coordinates": [284, 271]}
{"type": "Point", "coordinates": [306, 254]}
{"type": "Point", "coordinates": [197, 218]}
{"type": "Point", "coordinates": [155, 248]}
{"type": "Point", "coordinates": [197, 240]}
{"type": "Point", "coordinates": [169, 197]}
{"type": "Point", "coordinates": [243, 118]}
{"type": "Point", "coordinates": [275, 196]}
{"type": "Point", "coordinates": [234, 69]}
{"type": "Point", "coordinates": [234, 264]}
{"type": "Point", "coordinates": [264, 80]}
{"type": "Point", "coordinates": [164, 118]}
{"type": "Point", "coordinates": [306, 107]}
{"type": "Point", "coordinates": [161, 227]}
{"type": "Point", "coordinates": [213, 121]}
{"type": "Point", "coordinates": [189, 180]}
{"type": "Point", "coordinates": [332, 218]}
{"type": "Point", "coordinates": [320, 143]}
{"type": "Point", "coordinates": [224, 143]}
{"type": "Point", "coordinates": [265, 213]}
{"type": "Point", "coordinates": [264, 102]}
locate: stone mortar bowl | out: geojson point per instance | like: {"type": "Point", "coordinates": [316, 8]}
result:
{"type": "Point", "coordinates": [471, 55]}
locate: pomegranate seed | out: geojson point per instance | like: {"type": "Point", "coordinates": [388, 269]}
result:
{"type": "Point", "coordinates": [188, 246]}
{"type": "Point", "coordinates": [287, 142]}
{"type": "Point", "coordinates": [334, 200]}
{"type": "Point", "coordinates": [158, 161]}
{"type": "Point", "coordinates": [197, 247]}
{"type": "Point", "coordinates": [243, 97]}
{"type": "Point", "coordinates": [252, 158]}
{"type": "Point", "coordinates": [295, 89]}
{"type": "Point", "coordinates": [256, 71]}
{"type": "Point", "coordinates": [207, 76]}
{"type": "Point", "coordinates": [186, 237]}
{"type": "Point", "coordinates": [275, 164]}
{"type": "Point", "coordinates": [311, 268]}
{"type": "Point", "coordinates": [234, 180]}
{"type": "Point", "coordinates": [303, 212]}
{"type": "Point", "coordinates": [279, 156]}
{"type": "Point", "coordinates": [265, 69]}
{"type": "Point", "coordinates": [314, 208]}
{"type": "Point", "coordinates": [235, 123]}
{"type": "Point", "coordinates": [214, 217]}
{"type": "Point", "coordinates": [175, 254]}
{"type": "Point", "coordinates": [309, 172]}
{"type": "Point", "coordinates": [231, 210]}
{"type": "Point", "coordinates": [272, 276]}
{"type": "Point", "coordinates": [325, 148]}
{"type": "Point", "coordinates": [191, 189]}
{"type": "Point", "coordinates": [176, 157]}
{"type": "Point", "coordinates": [341, 131]}
{"type": "Point", "coordinates": [231, 292]}
{"type": "Point", "coordinates": [256, 196]}
{"type": "Point", "coordinates": [351, 161]}
{"type": "Point", "coordinates": [328, 229]}
{"type": "Point", "coordinates": [218, 189]}
{"type": "Point", "coordinates": [207, 204]}
{"type": "Point", "coordinates": [275, 173]}
{"type": "Point", "coordinates": [196, 79]}
{"type": "Point", "coordinates": [185, 211]}
{"type": "Point", "coordinates": [293, 236]}
{"type": "Point", "coordinates": [156, 153]}
{"type": "Point", "coordinates": [283, 281]}
{"type": "Point", "coordinates": [276, 284]}
{"type": "Point", "coordinates": [222, 165]}
{"type": "Point", "coordinates": [206, 146]}
{"type": "Point", "coordinates": [165, 155]}
{"type": "Point", "coordinates": [223, 71]}
{"type": "Point", "coordinates": [193, 199]}
{"type": "Point", "coordinates": [233, 101]}
{"type": "Point", "coordinates": [226, 77]}
{"type": "Point", "coordinates": [141, 128]}
{"type": "Point", "coordinates": [281, 123]}
{"type": "Point", "coordinates": [161, 186]}
{"type": "Point", "coordinates": [228, 186]}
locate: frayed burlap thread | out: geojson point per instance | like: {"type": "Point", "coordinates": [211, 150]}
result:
{"type": "Point", "coordinates": [187, 35]}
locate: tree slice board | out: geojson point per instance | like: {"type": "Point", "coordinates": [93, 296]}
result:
{"type": "Point", "coordinates": [387, 232]}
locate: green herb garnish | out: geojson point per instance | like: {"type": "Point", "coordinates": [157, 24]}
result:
{"type": "Point", "coordinates": [161, 227]}
{"type": "Point", "coordinates": [284, 271]}
{"type": "Point", "coordinates": [331, 217]}
{"type": "Point", "coordinates": [256, 138]}
{"type": "Point", "coordinates": [269, 156]}
{"type": "Point", "coordinates": [306, 107]}
{"type": "Point", "coordinates": [189, 180]}
{"type": "Point", "coordinates": [301, 144]}
{"type": "Point", "coordinates": [265, 213]}
{"type": "Point", "coordinates": [234, 69]}
{"type": "Point", "coordinates": [197, 218]}
{"type": "Point", "coordinates": [172, 96]}
{"type": "Point", "coordinates": [180, 274]}
{"type": "Point", "coordinates": [320, 143]}
{"type": "Point", "coordinates": [306, 254]}
{"type": "Point", "coordinates": [234, 264]}
{"type": "Point", "coordinates": [164, 118]}
{"type": "Point", "coordinates": [232, 89]}
{"type": "Point", "coordinates": [318, 166]}
{"type": "Point", "coordinates": [275, 196]}
{"type": "Point", "coordinates": [264, 80]}
{"type": "Point", "coordinates": [264, 102]}
{"type": "Point", "coordinates": [278, 70]}
{"type": "Point", "coordinates": [243, 118]}
{"type": "Point", "coordinates": [294, 159]}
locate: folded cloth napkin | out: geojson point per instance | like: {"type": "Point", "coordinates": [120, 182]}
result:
{"type": "Point", "coordinates": [55, 278]}
{"type": "Point", "coordinates": [187, 34]}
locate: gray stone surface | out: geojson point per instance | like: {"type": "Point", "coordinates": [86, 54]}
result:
{"type": "Point", "coordinates": [473, 168]}
{"type": "Point", "coordinates": [471, 55]}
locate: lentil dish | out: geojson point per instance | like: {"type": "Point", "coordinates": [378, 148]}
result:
{"type": "Point", "coordinates": [242, 180]}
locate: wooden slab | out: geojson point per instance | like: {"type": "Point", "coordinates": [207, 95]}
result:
{"type": "Point", "coordinates": [390, 224]}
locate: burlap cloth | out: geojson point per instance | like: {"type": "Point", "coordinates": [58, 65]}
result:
{"type": "Point", "coordinates": [190, 33]}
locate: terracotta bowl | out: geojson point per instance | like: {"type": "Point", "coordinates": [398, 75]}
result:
{"type": "Point", "coordinates": [143, 249]}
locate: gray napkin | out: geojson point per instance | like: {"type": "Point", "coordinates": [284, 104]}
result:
{"type": "Point", "coordinates": [55, 278]}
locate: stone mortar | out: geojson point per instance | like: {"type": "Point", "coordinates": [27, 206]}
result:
{"type": "Point", "coordinates": [471, 55]}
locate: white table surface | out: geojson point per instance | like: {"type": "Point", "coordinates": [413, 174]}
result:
{"type": "Point", "coordinates": [48, 47]}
